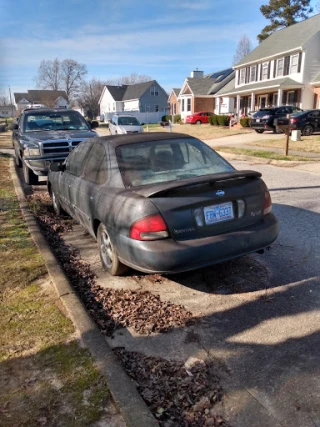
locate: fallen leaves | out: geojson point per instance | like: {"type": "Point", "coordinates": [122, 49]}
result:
{"type": "Point", "coordinates": [177, 396]}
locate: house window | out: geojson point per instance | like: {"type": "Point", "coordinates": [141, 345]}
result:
{"type": "Point", "coordinates": [154, 91]}
{"type": "Point", "coordinates": [265, 69]}
{"type": "Point", "coordinates": [290, 98]}
{"type": "Point", "coordinates": [182, 105]}
{"type": "Point", "coordinates": [147, 107]}
{"type": "Point", "coordinates": [242, 76]}
{"type": "Point", "coordinates": [189, 104]}
{"type": "Point", "coordinates": [280, 64]}
{"type": "Point", "coordinates": [253, 73]}
{"type": "Point", "coordinates": [156, 108]}
{"type": "Point", "coordinates": [275, 99]}
{"type": "Point", "coordinates": [294, 63]}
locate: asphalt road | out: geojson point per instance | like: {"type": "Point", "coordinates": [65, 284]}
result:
{"type": "Point", "coordinates": [258, 316]}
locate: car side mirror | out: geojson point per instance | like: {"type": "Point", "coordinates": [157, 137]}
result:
{"type": "Point", "coordinates": [142, 124]}
{"type": "Point", "coordinates": [57, 167]}
{"type": "Point", "coordinates": [94, 124]}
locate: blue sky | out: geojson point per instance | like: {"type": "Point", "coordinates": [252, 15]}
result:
{"type": "Point", "coordinates": [165, 39]}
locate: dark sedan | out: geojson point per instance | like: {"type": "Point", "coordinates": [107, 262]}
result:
{"type": "Point", "coordinates": [160, 202]}
{"type": "Point", "coordinates": [306, 121]}
{"type": "Point", "coordinates": [266, 118]}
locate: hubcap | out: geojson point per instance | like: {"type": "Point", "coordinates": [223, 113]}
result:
{"type": "Point", "coordinates": [106, 249]}
{"type": "Point", "coordinates": [308, 130]}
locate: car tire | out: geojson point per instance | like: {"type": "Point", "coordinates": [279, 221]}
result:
{"type": "Point", "coordinates": [29, 176]}
{"type": "Point", "coordinates": [198, 122]}
{"type": "Point", "coordinates": [56, 205]}
{"type": "Point", "coordinates": [109, 258]}
{"type": "Point", "coordinates": [259, 130]}
{"type": "Point", "coordinates": [307, 130]}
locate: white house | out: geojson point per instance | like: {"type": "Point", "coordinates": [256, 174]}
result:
{"type": "Point", "coordinates": [141, 99]}
{"type": "Point", "coordinates": [7, 110]}
{"type": "Point", "coordinates": [282, 70]}
{"type": "Point", "coordinates": [41, 98]}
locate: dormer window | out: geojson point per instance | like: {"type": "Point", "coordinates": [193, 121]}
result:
{"type": "Point", "coordinates": [280, 65]}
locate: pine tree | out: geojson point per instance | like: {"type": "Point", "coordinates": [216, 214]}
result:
{"type": "Point", "coordinates": [283, 13]}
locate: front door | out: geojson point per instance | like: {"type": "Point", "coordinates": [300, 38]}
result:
{"type": "Point", "coordinates": [263, 102]}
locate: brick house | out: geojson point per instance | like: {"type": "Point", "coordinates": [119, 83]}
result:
{"type": "Point", "coordinates": [197, 93]}
{"type": "Point", "coordinates": [283, 70]}
{"type": "Point", "coordinates": [174, 102]}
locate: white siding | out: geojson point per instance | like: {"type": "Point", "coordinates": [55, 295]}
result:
{"type": "Point", "coordinates": [311, 70]}
{"type": "Point", "coordinates": [132, 105]}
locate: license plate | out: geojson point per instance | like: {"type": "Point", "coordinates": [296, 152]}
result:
{"type": "Point", "coordinates": [258, 120]}
{"type": "Point", "coordinates": [218, 213]}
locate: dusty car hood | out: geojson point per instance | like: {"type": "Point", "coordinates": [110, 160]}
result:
{"type": "Point", "coordinates": [60, 135]}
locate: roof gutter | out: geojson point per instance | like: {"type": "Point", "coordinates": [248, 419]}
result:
{"type": "Point", "coordinates": [235, 67]}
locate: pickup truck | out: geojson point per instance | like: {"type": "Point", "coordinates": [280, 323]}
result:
{"type": "Point", "coordinates": [43, 136]}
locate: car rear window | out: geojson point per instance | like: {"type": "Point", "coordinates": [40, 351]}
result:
{"type": "Point", "coordinates": [264, 112]}
{"type": "Point", "coordinates": [156, 162]}
{"type": "Point", "coordinates": [128, 121]}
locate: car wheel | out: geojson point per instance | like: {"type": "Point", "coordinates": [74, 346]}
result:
{"type": "Point", "coordinates": [56, 205]}
{"type": "Point", "coordinates": [307, 130]}
{"type": "Point", "coordinates": [109, 258]}
{"type": "Point", "coordinates": [29, 176]}
{"type": "Point", "coordinates": [198, 122]}
{"type": "Point", "coordinates": [259, 130]}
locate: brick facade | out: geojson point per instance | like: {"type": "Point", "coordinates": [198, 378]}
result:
{"type": "Point", "coordinates": [316, 97]}
{"type": "Point", "coordinates": [202, 104]}
{"type": "Point", "coordinates": [174, 104]}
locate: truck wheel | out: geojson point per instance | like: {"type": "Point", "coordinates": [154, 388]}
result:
{"type": "Point", "coordinates": [29, 176]}
{"type": "Point", "coordinates": [259, 130]}
{"type": "Point", "coordinates": [109, 258]}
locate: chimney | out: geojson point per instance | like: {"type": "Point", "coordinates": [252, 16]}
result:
{"type": "Point", "coordinates": [197, 74]}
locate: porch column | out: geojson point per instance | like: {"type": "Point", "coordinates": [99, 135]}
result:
{"type": "Point", "coordinates": [252, 101]}
{"type": "Point", "coordinates": [279, 97]}
{"type": "Point", "coordinates": [238, 105]}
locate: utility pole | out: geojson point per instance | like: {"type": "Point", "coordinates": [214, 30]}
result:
{"type": "Point", "coordinates": [11, 102]}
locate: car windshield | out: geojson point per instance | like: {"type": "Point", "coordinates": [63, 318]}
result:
{"type": "Point", "coordinates": [46, 121]}
{"type": "Point", "coordinates": [128, 121]}
{"type": "Point", "coordinates": [155, 162]}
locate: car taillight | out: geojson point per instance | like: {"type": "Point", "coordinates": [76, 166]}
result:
{"type": "Point", "coordinates": [150, 227]}
{"type": "Point", "coordinates": [293, 120]}
{"type": "Point", "coordinates": [267, 203]}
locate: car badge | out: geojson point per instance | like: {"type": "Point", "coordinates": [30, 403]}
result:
{"type": "Point", "coordinates": [220, 193]}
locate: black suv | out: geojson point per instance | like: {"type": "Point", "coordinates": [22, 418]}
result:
{"type": "Point", "coordinates": [306, 121]}
{"type": "Point", "coordinates": [264, 118]}
{"type": "Point", "coordinates": [47, 135]}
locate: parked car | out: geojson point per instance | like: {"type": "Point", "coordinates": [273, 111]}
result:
{"type": "Point", "coordinates": [162, 202]}
{"type": "Point", "coordinates": [43, 136]}
{"type": "Point", "coordinates": [306, 121]}
{"type": "Point", "coordinates": [124, 123]}
{"type": "Point", "coordinates": [264, 118]}
{"type": "Point", "coordinates": [199, 118]}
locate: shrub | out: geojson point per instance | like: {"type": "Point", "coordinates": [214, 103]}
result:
{"type": "Point", "coordinates": [245, 122]}
{"type": "Point", "coordinates": [177, 118]}
{"type": "Point", "coordinates": [223, 120]}
{"type": "Point", "coordinates": [213, 120]}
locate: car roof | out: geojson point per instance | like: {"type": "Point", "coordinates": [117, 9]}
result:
{"type": "Point", "coordinates": [117, 140]}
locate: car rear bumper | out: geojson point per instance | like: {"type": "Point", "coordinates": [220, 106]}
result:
{"type": "Point", "coordinates": [170, 256]}
{"type": "Point", "coordinates": [261, 125]}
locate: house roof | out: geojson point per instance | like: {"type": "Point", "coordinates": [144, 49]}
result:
{"type": "Point", "coordinates": [287, 39]}
{"type": "Point", "coordinates": [211, 83]}
{"type": "Point", "coordinates": [285, 82]}
{"type": "Point", "coordinates": [40, 96]}
{"type": "Point", "coordinates": [176, 91]}
{"type": "Point", "coordinates": [127, 92]}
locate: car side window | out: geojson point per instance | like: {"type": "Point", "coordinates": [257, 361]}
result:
{"type": "Point", "coordinates": [96, 168]}
{"type": "Point", "coordinates": [76, 159]}
{"type": "Point", "coordinates": [282, 111]}
{"type": "Point", "coordinates": [314, 114]}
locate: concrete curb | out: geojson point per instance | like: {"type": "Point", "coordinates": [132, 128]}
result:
{"type": "Point", "coordinates": [133, 409]}
{"type": "Point", "coordinates": [281, 163]}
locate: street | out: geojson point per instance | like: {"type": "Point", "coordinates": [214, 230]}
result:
{"type": "Point", "coordinates": [258, 316]}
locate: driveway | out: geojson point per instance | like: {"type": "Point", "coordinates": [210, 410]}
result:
{"type": "Point", "coordinates": [258, 317]}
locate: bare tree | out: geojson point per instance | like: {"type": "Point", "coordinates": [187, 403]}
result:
{"type": "Point", "coordinates": [243, 48]}
{"type": "Point", "coordinates": [5, 100]}
{"type": "Point", "coordinates": [89, 95]}
{"type": "Point", "coordinates": [61, 75]}
{"type": "Point", "coordinates": [131, 79]}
